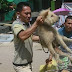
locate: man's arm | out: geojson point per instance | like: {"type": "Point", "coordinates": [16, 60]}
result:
{"type": "Point", "coordinates": [23, 35]}
{"type": "Point", "coordinates": [35, 38]}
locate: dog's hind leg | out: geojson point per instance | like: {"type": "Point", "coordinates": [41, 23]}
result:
{"type": "Point", "coordinates": [52, 51]}
{"type": "Point", "coordinates": [62, 53]}
{"type": "Point", "coordinates": [62, 43]}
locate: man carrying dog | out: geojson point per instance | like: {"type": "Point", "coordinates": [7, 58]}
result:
{"type": "Point", "coordinates": [23, 37]}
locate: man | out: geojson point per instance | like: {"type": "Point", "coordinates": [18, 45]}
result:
{"type": "Point", "coordinates": [66, 31]}
{"type": "Point", "coordinates": [23, 37]}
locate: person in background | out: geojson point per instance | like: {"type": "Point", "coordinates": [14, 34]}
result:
{"type": "Point", "coordinates": [23, 37]}
{"type": "Point", "coordinates": [66, 30]}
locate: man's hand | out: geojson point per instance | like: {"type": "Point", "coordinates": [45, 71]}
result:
{"type": "Point", "coordinates": [35, 38]}
{"type": "Point", "coordinates": [39, 20]}
{"type": "Point", "coordinates": [49, 59]}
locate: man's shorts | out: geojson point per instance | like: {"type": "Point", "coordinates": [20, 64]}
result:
{"type": "Point", "coordinates": [65, 63]}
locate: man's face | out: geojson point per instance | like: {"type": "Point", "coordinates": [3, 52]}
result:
{"type": "Point", "coordinates": [25, 14]}
{"type": "Point", "coordinates": [68, 25]}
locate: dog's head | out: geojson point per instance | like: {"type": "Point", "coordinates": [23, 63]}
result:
{"type": "Point", "coordinates": [48, 16]}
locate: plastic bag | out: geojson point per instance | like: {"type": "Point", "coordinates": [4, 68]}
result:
{"type": "Point", "coordinates": [51, 67]}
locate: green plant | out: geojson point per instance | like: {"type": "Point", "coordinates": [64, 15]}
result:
{"type": "Point", "coordinates": [4, 6]}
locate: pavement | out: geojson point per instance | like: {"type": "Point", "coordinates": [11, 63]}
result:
{"type": "Point", "coordinates": [7, 53]}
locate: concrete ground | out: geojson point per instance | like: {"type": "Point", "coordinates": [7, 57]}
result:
{"type": "Point", "coordinates": [7, 52]}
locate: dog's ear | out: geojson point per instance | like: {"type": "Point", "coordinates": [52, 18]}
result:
{"type": "Point", "coordinates": [49, 8]}
{"type": "Point", "coordinates": [46, 13]}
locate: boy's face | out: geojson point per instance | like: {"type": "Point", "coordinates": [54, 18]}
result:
{"type": "Point", "coordinates": [68, 25]}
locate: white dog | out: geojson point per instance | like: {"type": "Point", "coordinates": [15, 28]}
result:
{"type": "Point", "coordinates": [49, 36]}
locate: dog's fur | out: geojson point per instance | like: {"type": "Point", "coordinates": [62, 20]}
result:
{"type": "Point", "coordinates": [49, 36]}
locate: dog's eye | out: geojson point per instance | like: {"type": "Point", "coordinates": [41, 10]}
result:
{"type": "Point", "coordinates": [51, 15]}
